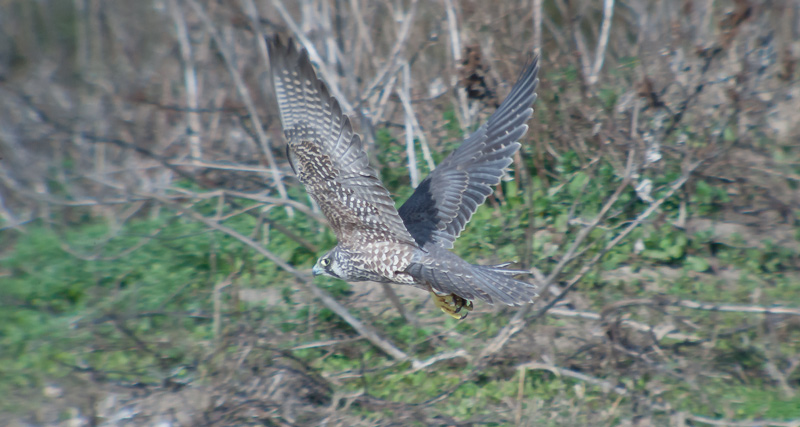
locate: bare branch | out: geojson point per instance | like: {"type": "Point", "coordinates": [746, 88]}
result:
{"type": "Point", "coordinates": [465, 119]}
{"type": "Point", "coordinates": [244, 93]}
{"type": "Point", "coordinates": [731, 423]}
{"type": "Point", "coordinates": [411, 118]}
{"type": "Point", "coordinates": [605, 385]}
{"type": "Point", "coordinates": [537, 27]}
{"type": "Point", "coordinates": [641, 327]}
{"type": "Point", "coordinates": [391, 65]}
{"type": "Point", "coordinates": [517, 323]}
{"type": "Point", "coordinates": [602, 42]}
{"type": "Point", "coordinates": [190, 79]}
{"type": "Point", "coordinates": [735, 308]}
{"type": "Point", "coordinates": [325, 74]}
{"type": "Point", "coordinates": [303, 280]}
{"type": "Point", "coordinates": [413, 172]}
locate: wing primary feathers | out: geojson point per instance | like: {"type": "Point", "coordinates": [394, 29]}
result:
{"type": "Point", "coordinates": [325, 153]}
{"type": "Point", "coordinates": [429, 214]}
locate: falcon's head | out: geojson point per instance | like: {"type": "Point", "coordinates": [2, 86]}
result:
{"type": "Point", "coordinates": [330, 264]}
{"type": "Point", "coordinates": [338, 263]}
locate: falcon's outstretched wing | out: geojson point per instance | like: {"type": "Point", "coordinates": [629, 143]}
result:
{"type": "Point", "coordinates": [444, 202]}
{"type": "Point", "coordinates": [328, 157]}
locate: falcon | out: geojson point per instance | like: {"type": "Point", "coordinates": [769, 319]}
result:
{"type": "Point", "coordinates": [377, 242]}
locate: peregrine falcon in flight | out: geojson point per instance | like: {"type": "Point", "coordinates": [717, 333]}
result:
{"type": "Point", "coordinates": [377, 242]}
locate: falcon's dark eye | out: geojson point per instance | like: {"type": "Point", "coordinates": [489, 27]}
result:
{"type": "Point", "coordinates": [325, 262]}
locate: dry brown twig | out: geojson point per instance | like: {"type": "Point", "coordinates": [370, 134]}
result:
{"type": "Point", "coordinates": [663, 301]}
{"type": "Point", "coordinates": [516, 324]}
{"type": "Point", "coordinates": [244, 94]}
{"type": "Point", "coordinates": [602, 42]}
{"type": "Point", "coordinates": [638, 326]}
{"type": "Point", "coordinates": [306, 283]}
{"type": "Point", "coordinates": [190, 80]}
{"type": "Point", "coordinates": [413, 172]}
{"type": "Point", "coordinates": [267, 200]}
{"type": "Point", "coordinates": [537, 27]}
{"type": "Point", "coordinates": [680, 417]}
{"type": "Point", "coordinates": [412, 128]}
{"type": "Point", "coordinates": [391, 66]}
{"type": "Point", "coordinates": [325, 74]}
{"type": "Point", "coordinates": [731, 423]}
{"type": "Point", "coordinates": [463, 112]}
{"type": "Point", "coordinates": [303, 280]}
{"type": "Point", "coordinates": [606, 386]}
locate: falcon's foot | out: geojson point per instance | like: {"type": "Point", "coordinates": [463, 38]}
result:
{"type": "Point", "coordinates": [453, 305]}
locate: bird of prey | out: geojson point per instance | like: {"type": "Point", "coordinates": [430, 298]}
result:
{"type": "Point", "coordinates": [377, 242]}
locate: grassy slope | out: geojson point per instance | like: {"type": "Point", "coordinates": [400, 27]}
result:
{"type": "Point", "coordinates": [147, 314]}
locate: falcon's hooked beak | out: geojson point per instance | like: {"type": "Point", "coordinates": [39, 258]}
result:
{"type": "Point", "coordinates": [316, 271]}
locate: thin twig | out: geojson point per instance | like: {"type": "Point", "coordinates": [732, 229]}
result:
{"type": "Point", "coordinates": [413, 172]}
{"type": "Point", "coordinates": [315, 57]}
{"type": "Point", "coordinates": [383, 99]}
{"type": "Point", "coordinates": [190, 79]}
{"type": "Point", "coordinates": [465, 119]}
{"type": "Point", "coordinates": [418, 365]}
{"type": "Point", "coordinates": [731, 423]}
{"type": "Point", "coordinates": [735, 308]}
{"type": "Point", "coordinates": [258, 197]}
{"type": "Point", "coordinates": [517, 323]}
{"type": "Point", "coordinates": [244, 93]}
{"type": "Point", "coordinates": [641, 327]}
{"type": "Point", "coordinates": [677, 184]}
{"type": "Point", "coordinates": [307, 284]}
{"type": "Point", "coordinates": [361, 27]}
{"type": "Point", "coordinates": [388, 290]}
{"type": "Point", "coordinates": [391, 65]}
{"type": "Point", "coordinates": [216, 297]}
{"type": "Point", "coordinates": [303, 280]}
{"type": "Point", "coordinates": [405, 99]}
{"type": "Point", "coordinates": [537, 27]}
{"type": "Point", "coordinates": [607, 386]}
{"type": "Point", "coordinates": [602, 42]}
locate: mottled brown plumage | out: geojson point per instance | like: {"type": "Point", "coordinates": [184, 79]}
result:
{"type": "Point", "coordinates": [376, 242]}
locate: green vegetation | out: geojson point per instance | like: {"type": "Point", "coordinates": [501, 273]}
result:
{"type": "Point", "coordinates": [136, 304]}
{"type": "Point", "coordinates": [124, 299]}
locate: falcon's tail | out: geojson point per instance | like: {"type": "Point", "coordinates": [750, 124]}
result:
{"type": "Point", "coordinates": [499, 284]}
{"type": "Point", "coordinates": [448, 274]}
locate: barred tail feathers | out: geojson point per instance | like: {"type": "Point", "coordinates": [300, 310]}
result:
{"type": "Point", "coordinates": [489, 283]}
{"type": "Point", "coordinates": [502, 286]}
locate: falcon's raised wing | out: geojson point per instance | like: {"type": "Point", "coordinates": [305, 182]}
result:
{"type": "Point", "coordinates": [328, 157]}
{"type": "Point", "coordinates": [445, 200]}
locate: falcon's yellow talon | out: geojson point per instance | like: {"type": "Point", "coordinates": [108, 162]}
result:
{"type": "Point", "coordinates": [453, 305]}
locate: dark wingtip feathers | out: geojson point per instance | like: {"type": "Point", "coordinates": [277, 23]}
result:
{"type": "Point", "coordinates": [479, 161]}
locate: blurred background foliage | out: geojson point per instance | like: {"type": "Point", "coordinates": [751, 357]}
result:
{"type": "Point", "coordinates": [655, 200]}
